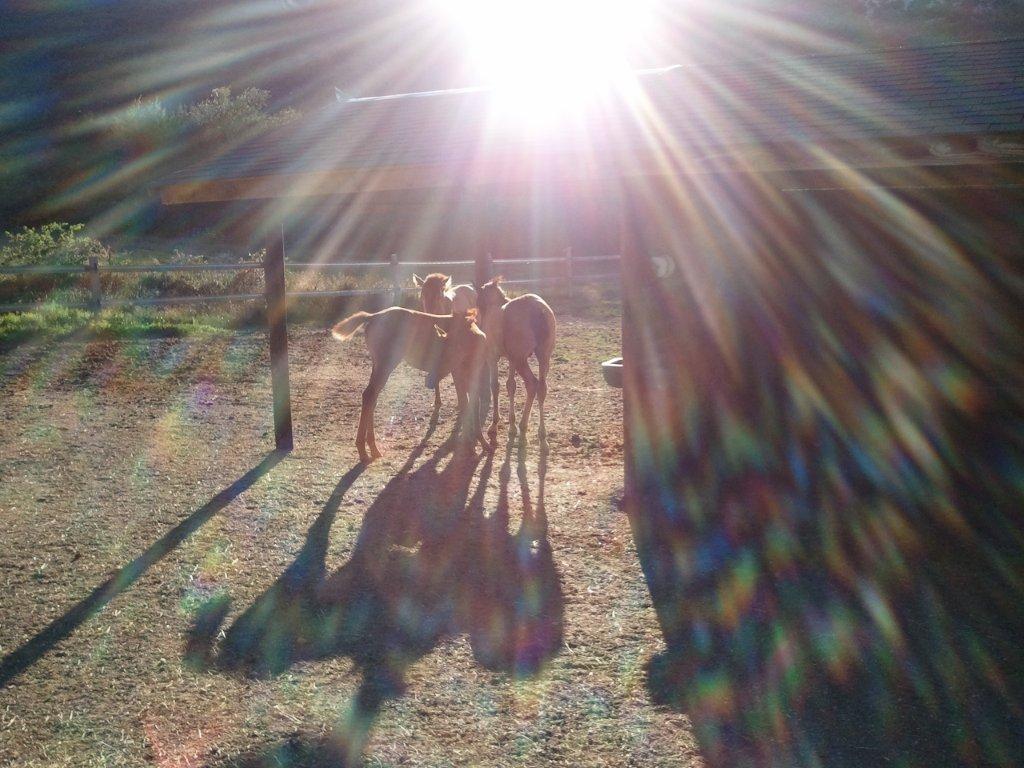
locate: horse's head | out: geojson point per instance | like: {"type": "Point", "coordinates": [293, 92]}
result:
{"type": "Point", "coordinates": [432, 293]}
{"type": "Point", "coordinates": [491, 295]}
{"type": "Point", "coordinates": [463, 349]}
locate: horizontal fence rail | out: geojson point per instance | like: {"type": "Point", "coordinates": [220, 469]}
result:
{"type": "Point", "coordinates": [399, 274]}
{"type": "Point", "coordinates": [241, 267]}
{"type": "Point", "coordinates": [28, 306]}
{"type": "Point", "coordinates": [432, 264]}
{"type": "Point", "coordinates": [45, 269]}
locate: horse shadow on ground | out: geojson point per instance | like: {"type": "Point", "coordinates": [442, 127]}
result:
{"type": "Point", "coordinates": [430, 563]}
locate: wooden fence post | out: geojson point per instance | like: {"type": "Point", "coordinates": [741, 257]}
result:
{"type": "Point", "coordinates": [396, 280]}
{"type": "Point", "coordinates": [95, 290]}
{"type": "Point", "coordinates": [570, 271]}
{"type": "Point", "coordinates": [277, 328]}
{"type": "Point", "coordinates": [484, 268]}
{"type": "Point", "coordinates": [629, 255]}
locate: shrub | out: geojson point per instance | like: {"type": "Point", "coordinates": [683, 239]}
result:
{"type": "Point", "coordinates": [223, 117]}
{"type": "Point", "coordinates": [56, 243]}
{"type": "Point", "coordinates": [53, 243]}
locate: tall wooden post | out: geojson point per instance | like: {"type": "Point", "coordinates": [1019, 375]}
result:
{"type": "Point", "coordinates": [396, 280]}
{"type": "Point", "coordinates": [631, 342]}
{"type": "Point", "coordinates": [645, 402]}
{"type": "Point", "coordinates": [484, 269]}
{"type": "Point", "coordinates": [570, 270]}
{"type": "Point", "coordinates": [488, 238]}
{"type": "Point", "coordinates": [277, 330]}
{"type": "Point", "coordinates": [95, 290]}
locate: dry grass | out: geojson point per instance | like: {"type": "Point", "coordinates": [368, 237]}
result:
{"type": "Point", "coordinates": [107, 446]}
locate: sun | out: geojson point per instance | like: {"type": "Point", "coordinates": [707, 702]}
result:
{"type": "Point", "coordinates": [550, 55]}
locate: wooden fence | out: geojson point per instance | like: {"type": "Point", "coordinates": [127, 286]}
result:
{"type": "Point", "coordinates": [567, 268]}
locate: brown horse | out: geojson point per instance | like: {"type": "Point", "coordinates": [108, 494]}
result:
{"type": "Point", "coordinates": [438, 297]}
{"type": "Point", "coordinates": [464, 355]}
{"type": "Point", "coordinates": [516, 329]}
{"type": "Point", "coordinates": [441, 343]}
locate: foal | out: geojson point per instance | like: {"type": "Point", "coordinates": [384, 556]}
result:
{"type": "Point", "coordinates": [465, 357]}
{"type": "Point", "coordinates": [438, 297]}
{"type": "Point", "coordinates": [395, 334]}
{"type": "Point", "coordinates": [517, 329]}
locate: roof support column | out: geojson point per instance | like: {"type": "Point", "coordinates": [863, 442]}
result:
{"type": "Point", "coordinates": [648, 413]}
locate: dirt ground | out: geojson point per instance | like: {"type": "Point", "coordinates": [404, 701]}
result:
{"type": "Point", "coordinates": [142, 515]}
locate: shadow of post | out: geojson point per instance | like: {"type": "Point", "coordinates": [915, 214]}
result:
{"type": "Point", "coordinates": [21, 659]}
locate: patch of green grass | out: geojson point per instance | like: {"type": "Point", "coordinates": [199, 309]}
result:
{"type": "Point", "coordinates": [148, 322]}
{"type": "Point", "coordinates": [55, 322]}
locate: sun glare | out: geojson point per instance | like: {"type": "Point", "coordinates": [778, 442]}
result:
{"type": "Point", "coordinates": [547, 56]}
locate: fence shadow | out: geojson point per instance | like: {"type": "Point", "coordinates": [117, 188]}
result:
{"type": "Point", "coordinates": [28, 654]}
{"type": "Point", "coordinates": [430, 562]}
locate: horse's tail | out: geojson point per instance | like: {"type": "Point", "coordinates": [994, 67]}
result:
{"type": "Point", "coordinates": [350, 325]}
{"type": "Point", "coordinates": [543, 321]}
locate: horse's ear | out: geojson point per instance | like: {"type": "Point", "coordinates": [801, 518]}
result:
{"type": "Point", "coordinates": [447, 284]}
{"type": "Point", "coordinates": [440, 332]}
{"type": "Point", "coordinates": [417, 281]}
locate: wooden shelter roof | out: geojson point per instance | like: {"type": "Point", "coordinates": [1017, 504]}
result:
{"type": "Point", "coordinates": [937, 104]}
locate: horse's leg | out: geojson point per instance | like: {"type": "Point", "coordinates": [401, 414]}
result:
{"type": "Point", "coordinates": [361, 430]}
{"type": "Point", "coordinates": [492, 369]}
{"type": "Point", "coordinates": [364, 419]}
{"type": "Point", "coordinates": [510, 387]}
{"type": "Point", "coordinates": [530, 382]}
{"type": "Point", "coordinates": [544, 363]}
{"type": "Point", "coordinates": [463, 418]}
{"type": "Point", "coordinates": [378, 378]}
{"type": "Point", "coordinates": [483, 393]}
{"type": "Point", "coordinates": [478, 434]}
{"type": "Point", "coordinates": [437, 404]}
{"type": "Point", "coordinates": [472, 427]}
